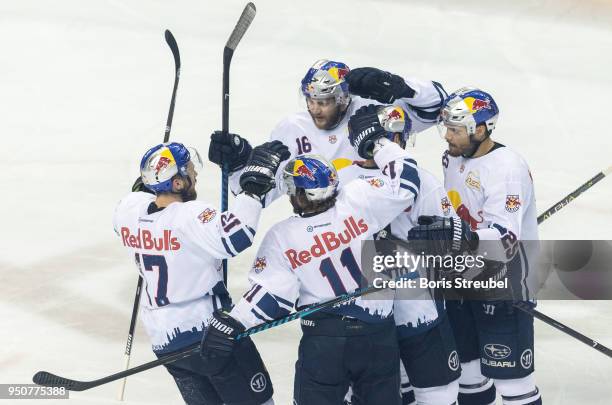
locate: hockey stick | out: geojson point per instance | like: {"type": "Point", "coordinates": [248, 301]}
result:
{"type": "Point", "coordinates": [245, 20]}
{"type": "Point", "coordinates": [130, 338]}
{"type": "Point", "coordinates": [47, 379]}
{"type": "Point", "coordinates": [568, 198]}
{"type": "Point", "coordinates": [177, 72]}
{"type": "Point", "coordinates": [523, 306]}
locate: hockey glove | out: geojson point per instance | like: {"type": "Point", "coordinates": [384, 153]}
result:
{"type": "Point", "coordinates": [364, 129]}
{"type": "Point", "coordinates": [441, 236]}
{"type": "Point", "coordinates": [377, 84]}
{"type": "Point", "coordinates": [140, 186]}
{"type": "Point", "coordinates": [258, 176]}
{"type": "Point", "coordinates": [219, 341]}
{"type": "Point", "coordinates": [229, 148]}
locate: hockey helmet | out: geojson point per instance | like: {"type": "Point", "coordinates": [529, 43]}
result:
{"type": "Point", "coordinates": [314, 174]}
{"type": "Point", "coordinates": [394, 119]}
{"type": "Point", "coordinates": [468, 107]}
{"type": "Point", "coordinates": [162, 162]}
{"type": "Point", "coordinates": [325, 79]}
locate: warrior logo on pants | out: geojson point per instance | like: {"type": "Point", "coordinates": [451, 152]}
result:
{"type": "Point", "coordinates": [526, 358]}
{"type": "Point", "coordinates": [453, 361]}
{"type": "Point", "coordinates": [258, 382]}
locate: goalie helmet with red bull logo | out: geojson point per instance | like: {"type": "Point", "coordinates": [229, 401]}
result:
{"type": "Point", "coordinates": [164, 161]}
{"type": "Point", "coordinates": [469, 107]}
{"type": "Point", "coordinates": [312, 173]}
{"type": "Point", "coordinates": [325, 79]}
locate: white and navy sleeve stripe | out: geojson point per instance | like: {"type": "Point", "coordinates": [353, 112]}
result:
{"type": "Point", "coordinates": [267, 306]}
{"type": "Point", "coordinates": [239, 240]}
{"type": "Point", "coordinates": [409, 177]}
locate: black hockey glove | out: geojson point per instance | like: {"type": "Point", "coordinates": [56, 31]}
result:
{"type": "Point", "coordinates": [219, 341]}
{"type": "Point", "coordinates": [228, 148]}
{"type": "Point", "coordinates": [259, 173]}
{"type": "Point", "coordinates": [377, 84]}
{"type": "Point", "coordinates": [441, 236]}
{"type": "Point", "coordinates": [364, 129]}
{"type": "Point", "coordinates": [140, 186]}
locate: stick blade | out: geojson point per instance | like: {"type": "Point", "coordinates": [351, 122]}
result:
{"type": "Point", "coordinates": [174, 48]}
{"type": "Point", "coordinates": [245, 20]}
{"type": "Point", "coordinates": [47, 379]}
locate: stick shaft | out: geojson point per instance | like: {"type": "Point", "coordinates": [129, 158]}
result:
{"type": "Point", "coordinates": [568, 198]}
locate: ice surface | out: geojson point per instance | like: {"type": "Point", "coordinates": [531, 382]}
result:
{"type": "Point", "coordinates": [85, 88]}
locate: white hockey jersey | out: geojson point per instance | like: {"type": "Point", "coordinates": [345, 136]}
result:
{"type": "Point", "coordinates": [299, 133]}
{"type": "Point", "coordinates": [310, 259]}
{"type": "Point", "coordinates": [412, 316]}
{"type": "Point", "coordinates": [178, 252]}
{"type": "Point", "coordinates": [494, 193]}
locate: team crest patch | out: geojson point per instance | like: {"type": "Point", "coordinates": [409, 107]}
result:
{"type": "Point", "coordinates": [446, 205]}
{"type": "Point", "coordinates": [332, 139]}
{"type": "Point", "coordinates": [207, 215]}
{"type": "Point", "coordinates": [260, 264]}
{"type": "Point", "coordinates": [376, 182]}
{"type": "Point", "coordinates": [513, 203]}
{"type": "Point", "coordinates": [473, 180]}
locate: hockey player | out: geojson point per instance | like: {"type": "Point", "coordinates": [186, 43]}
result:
{"type": "Point", "coordinates": [491, 188]}
{"type": "Point", "coordinates": [322, 128]}
{"type": "Point", "coordinates": [178, 243]}
{"type": "Point", "coordinates": [427, 345]}
{"type": "Point", "coordinates": [319, 260]}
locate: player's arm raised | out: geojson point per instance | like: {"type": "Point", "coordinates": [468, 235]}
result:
{"type": "Point", "coordinates": [423, 98]}
{"type": "Point", "coordinates": [232, 231]}
{"type": "Point", "coordinates": [399, 181]}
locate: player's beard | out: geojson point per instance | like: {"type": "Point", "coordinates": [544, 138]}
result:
{"type": "Point", "coordinates": [333, 121]}
{"type": "Point", "coordinates": [466, 151]}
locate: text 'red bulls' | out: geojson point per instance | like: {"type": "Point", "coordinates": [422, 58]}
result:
{"type": "Point", "coordinates": [327, 242]}
{"type": "Point", "coordinates": [145, 240]}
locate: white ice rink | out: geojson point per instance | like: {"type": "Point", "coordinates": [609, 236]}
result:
{"type": "Point", "coordinates": [84, 91]}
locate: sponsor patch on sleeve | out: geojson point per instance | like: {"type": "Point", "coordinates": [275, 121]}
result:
{"type": "Point", "coordinates": [513, 202]}
{"type": "Point", "coordinates": [207, 215]}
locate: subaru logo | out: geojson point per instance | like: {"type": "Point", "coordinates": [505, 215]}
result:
{"type": "Point", "coordinates": [497, 351]}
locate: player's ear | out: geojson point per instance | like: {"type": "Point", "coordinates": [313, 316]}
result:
{"type": "Point", "coordinates": [178, 184]}
{"type": "Point", "coordinates": [481, 132]}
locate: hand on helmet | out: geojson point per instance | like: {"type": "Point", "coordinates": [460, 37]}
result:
{"type": "Point", "coordinates": [377, 84]}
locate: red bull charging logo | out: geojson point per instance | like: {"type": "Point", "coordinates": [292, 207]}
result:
{"type": "Point", "coordinates": [476, 104]}
{"type": "Point", "coordinates": [304, 171]}
{"type": "Point", "coordinates": [162, 163]}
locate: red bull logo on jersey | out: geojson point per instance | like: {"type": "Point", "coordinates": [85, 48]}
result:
{"type": "Point", "coordinates": [513, 202]}
{"type": "Point", "coordinates": [327, 242]}
{"type": "Point", "coordinates": [144, 239]}
{"type": "Point", "coordinates": [260, 264]}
